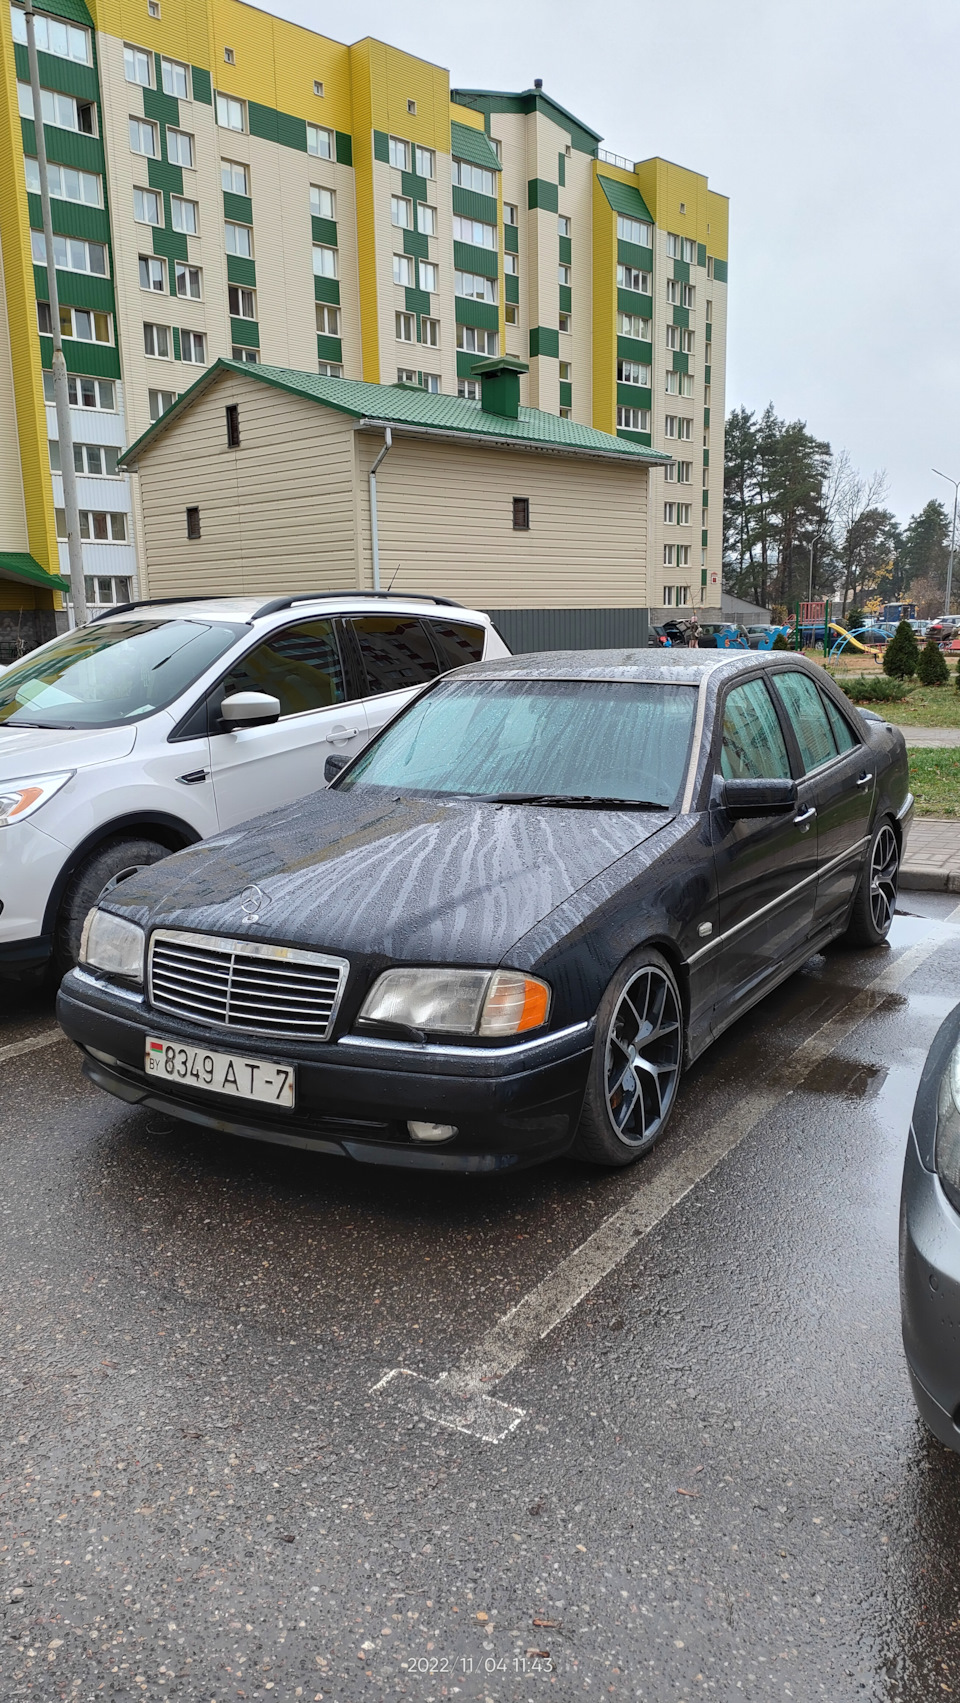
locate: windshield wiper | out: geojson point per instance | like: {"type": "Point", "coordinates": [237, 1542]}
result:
{"type": "Point", "coordinates": [583, 801]}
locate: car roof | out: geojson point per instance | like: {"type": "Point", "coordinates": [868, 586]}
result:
{"type": "Point", "coordinates": [247, 609]}
{"type": "Point", "coordinates": [683, 664]}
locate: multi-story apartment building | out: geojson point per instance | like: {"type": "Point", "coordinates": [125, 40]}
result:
{"type": "Point", "coordinates": [227, 183]}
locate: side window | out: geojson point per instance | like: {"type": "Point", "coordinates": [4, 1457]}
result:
{"type": "Point", "coordinates": [396, 652]}
{"type": "Point", "coordinates": [753, 747]}
{"type": "Point", "coordinates": [300, 665]}
{"type": "Point", "coordinates": [457, 643]}
{"type": "Point", "coordinates": [807, 714]}
{"type": "Point", "coordinates": [841, 732]}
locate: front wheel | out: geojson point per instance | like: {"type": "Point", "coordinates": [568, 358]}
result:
{"type": "Point", "coordinates": [112, 863]}
{"type": "Point", "coordinates": [876, 897]}
{"type": "Point", "coordinates": [636, 1064]}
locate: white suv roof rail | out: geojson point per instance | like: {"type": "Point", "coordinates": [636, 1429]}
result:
{"type": "Point", "coordinates": [276, 603]}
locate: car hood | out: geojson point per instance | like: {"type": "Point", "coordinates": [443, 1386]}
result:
{"type": "Point", "coordinates": [41, 750]}
{"type": "Point", "coordinates": [408, 878]}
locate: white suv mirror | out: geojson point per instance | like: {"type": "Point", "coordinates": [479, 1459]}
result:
{"type": "Point", "coordinates": [249, 709]}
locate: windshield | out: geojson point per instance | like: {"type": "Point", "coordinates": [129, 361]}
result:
{"type": "Point", "coordinates": [99, 676]}
{"type": "Point", "coordinates": [577, 739]}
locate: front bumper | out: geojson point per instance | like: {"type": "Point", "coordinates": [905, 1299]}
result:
{"type": "Point", "coordinates": [930, 1296]}
{"type": "Point", "coordinates": [512, 1105]}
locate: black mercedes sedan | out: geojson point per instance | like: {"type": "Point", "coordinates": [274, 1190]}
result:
{"type": "Point", "coordinates": [512, 921]}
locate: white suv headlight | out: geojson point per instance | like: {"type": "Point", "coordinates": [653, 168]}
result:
{"type": "Point", "coordinates": [22, 797]}
{"type": "Point", "coordinates": [458, 1002]}
{"type": "Point", "coordinates": [113, 945]}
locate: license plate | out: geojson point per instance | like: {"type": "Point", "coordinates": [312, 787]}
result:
{"type": "Point", "coordinates": [222, 1073]}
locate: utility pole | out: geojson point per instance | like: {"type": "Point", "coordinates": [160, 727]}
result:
{"type": "Point", "coordinates": [810, 592]}
{"type": "Point", "coordinates": [61, 391]}
{"type": "Point", "coordinates": [953, 535]}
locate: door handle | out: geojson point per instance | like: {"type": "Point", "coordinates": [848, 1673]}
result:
{"type": "Point", "coordinates": [804, 818]}
{"type": "Point", "coordinates": [865, 779]}
{"type": "Point", "coordinates": [340, 733]}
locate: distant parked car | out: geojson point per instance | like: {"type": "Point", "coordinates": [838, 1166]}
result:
{"type": "Point", "coordinates": [945, 627]}
{"type": "Point", "coordinates": [723, 635]}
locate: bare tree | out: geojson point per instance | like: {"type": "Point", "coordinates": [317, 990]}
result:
{"type": "Point", "coordinates": [857, 522]}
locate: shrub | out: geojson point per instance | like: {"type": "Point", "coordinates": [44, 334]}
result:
{"type": "Point", "coordinates": [901, 655]}
{"type": "Point", "coordinates": [781, 642]}
{"type": "Point", "coordinates": [932, 667]}
{"type": "Point", "coordinates": [875, 689]}
{"type": "Point", "coordinates": [958, 673]}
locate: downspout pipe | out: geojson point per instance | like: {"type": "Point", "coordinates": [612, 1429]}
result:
{"type": "Point", "coordinates": [374, 537]}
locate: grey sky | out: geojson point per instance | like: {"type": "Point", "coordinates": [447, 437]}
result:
{"type": "Point", "coordinates": [831, 126]}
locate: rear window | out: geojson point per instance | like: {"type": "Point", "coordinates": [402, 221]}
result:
{"type": "Point", "coordinates": [458, 642]}
{"type": "Point", "coordinates": [396, 652]}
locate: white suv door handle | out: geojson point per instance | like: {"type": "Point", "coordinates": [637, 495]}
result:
{"type": "Point", "coordinates": [805, 817]}
{"type": "Point", "coordinates": [337, 735]}
{"type": "Point", "coordinates": [865, 779]}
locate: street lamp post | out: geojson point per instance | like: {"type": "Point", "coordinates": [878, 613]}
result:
{"type": "Point", "coordinates": [953, 534]}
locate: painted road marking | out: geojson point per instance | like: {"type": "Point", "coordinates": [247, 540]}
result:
{"type": "Point", "coordinates": [48, 1038]}
{"type": "Point", "coordinates": [459, 1398]}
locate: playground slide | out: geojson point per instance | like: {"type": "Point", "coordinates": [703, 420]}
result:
{"type": "Point", "coordinates": [843, 634]}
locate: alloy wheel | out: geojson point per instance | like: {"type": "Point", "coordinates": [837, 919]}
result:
{"type": "Point", "coordinates": [644, 1056]}
{"type": "Point", "coordinates": [884, 869]}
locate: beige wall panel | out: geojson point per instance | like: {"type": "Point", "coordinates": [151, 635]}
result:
{"type": "Point", "coordinates": [283, 251]}
{"type": "Point", "coordinates": [576, 201]}
{"type": "Point", "coordinates": [13, 515]}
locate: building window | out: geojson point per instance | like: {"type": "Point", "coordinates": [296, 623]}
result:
{"type": "Point", "coordinates": [675, 426]}
{"type": "Point", "coordinates": [474, 231]}
{"type": "Point", "coordinates": [521, 514]}
{"type": "Point", "coordinates": [632, 372]}
{"type": "Point", "coordinates": [324, 261]}
{"type": "Point", "coordinates": [406, 375]}
{"type": "Point", "coordinates": [426, 219]}
{"type": "Point", "coordinates": [634, 230]}
{"type": "Point", "coordinates": [183, 215]}
{"type": "Point", "coordinates": [147, 207]}
{"type": "Point", "coordinates": [137, 65]}
{"type": "Point", "coordinates": [430, 332]}
{"type": "Point", "coordinates": [673, 336]}
{"type": "Point", "coordinates": [60, 110]}
{"type": "Point", "coordinates": [70, 254]}
{"type": "Point", "coordinates": [95, 393]}
{"type": "Point", "coordinates": [193, 523]}
{"type": "Point", "coordinates": [156, 341]}
{"type": "Point", "coordinates": [631, 278]}
{"type": "Point", "coordinates": [683, 471]}
{"type": "Point", "coordinates": [78, 323]}
{"type": "Point", "coordinates": [63, 40]}
{"type": "Point", "coordinates": [634, 419]}
{"type": "Point", "coordinates": [469, 389]}
{"type": "Point", "coordinates": [320, 142]}
{"type": "Point", "coordinates": [97, 461]}
{"type": "Point", "coordinates": [566, 413]}
{"type": "Point", "coordinates": [238, 239]}
{"type": "Point", "coordinates": [474, 341]}
{"type": "Point", "coordinates": [563, 274]}
{"type": "Point", "coordinates": [709, 265]}
{"type": "Point", "coordinates": [152, 274]}
{"type": "Point", "coordinates": [328, 320]}
{"type": "Point", "coordinates": [563, 225]}
{"type": "Point", "coordinates": [160, 401]}
{"type": "Point", "coordinates": [229, 57]}
{"type": "Point", "coordinates": [399, 153]}
{"type": "Point", "coordinates": [672, 384]}
{"type": "Point", "coordinates": [230, 112]}
{"type": "Point", "coordinates": [323, 202]}
{"type": "Point", "coordinates": [153, 8]}
{"type": "Point", "coordinates": [688, 251]}
{"type": "Point", "coordinates": [511, 313]}
{"type": "Point", "coordinates": [673, 292]}
{"type": "Point", "coordinates": [193, 347]}
{"type": "Point", "coordinates": [330, 369]}
{"type": "Point", "coordinates": [179, 148]}
{"type": "Point", "coordinates": [96, 526]}
{"type": "Point", "coordinates": [241, 352]}
{"type": "Point", "coordinates": [66, 184]}
{"type": "Point", "coordinates": [708, 309]}
{"type": "Point", "coordinates": [317, 87]}
{"type": "Point", "coordinates": [564, 322]}
{"type": "Point", "coordinates": [473, 177]}
{"type": "Point", "coordinates": [175, 79]}
{"type": "Point", "coordinates": [403, 270]}
{"type": "Point", "coordinates": [669, 514]}
{"type": "Point", "coordinates": [143, 138]}
{"type": "Point", "coordinates": [673, 246]}
{"type": "Point", "coordinates": [687, 339]}
{"type": "Point", "coordinates": [475, 286]}
{"type": "Point", "coordinates": [683, 556]}
{"type": "Point", "coordinates": [412, 108]}
{"type": "Point", "coordinates": [243, 303]}
{"type": "Point", "coordinates": [401, 212]}
{"type": "Point", "coordinates": [509, 213]}
{"type": "Point", "coordinates": [406, 324]}
{"type": "Point", "coordinates": [234, 178]}
{"type": "Point", "coordinates": [431, 382]}
{"type": "Point", "coordinates": [511, 264]}
{"type": "Point", "coordinates": [189, 281]}
{"type": "Point", "coordinates": [682, 512]}
{"type": "Point", "coordinates": [426, 162]}
{"type": "Point", "coordinates": [686, 384]}
{"type": "Point", "coordinates": [688, 295]}
{"type": "Point", "coordinates": [429, 277]}
{"type": "Point", "coordinates": [669, 555]}
{"type": "Point", "coordinates": [232, 412]}
{"type": "Point", "coordinates": [668, 594]}
{"type": "Point", "coordinates": [566, 372]}
{"type": "Point", "coordinates": [633, 325]}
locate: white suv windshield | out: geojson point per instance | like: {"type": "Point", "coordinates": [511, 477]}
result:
{"type": "Point", "coordinates": [100, 676]}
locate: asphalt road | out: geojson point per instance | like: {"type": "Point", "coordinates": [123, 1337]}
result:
{"type": "Point", "coordinates": [709, 1479]}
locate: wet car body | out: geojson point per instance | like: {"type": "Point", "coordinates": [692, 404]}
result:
{"type": "Point", "coordinates": [563, 893]}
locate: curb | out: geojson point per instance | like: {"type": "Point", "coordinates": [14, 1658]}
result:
{"type": "Point", "coordinates": [928, 878]}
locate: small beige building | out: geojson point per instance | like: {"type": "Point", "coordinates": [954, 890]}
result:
{"type": "Point", "coordinates": [271, 481]}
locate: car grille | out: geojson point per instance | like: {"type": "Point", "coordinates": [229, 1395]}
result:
{"type": "Point", "coordinates": [245, 984]}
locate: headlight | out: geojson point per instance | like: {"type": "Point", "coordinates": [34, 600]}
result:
{"type": "Point", "coordinates": [21, 798]}
{"type": "Point", "coordinates": [111, 944]}
{"type": "Point", "coordinates": [947, 1150]}
{"type": "Point", "coordinates": [458, 1002]}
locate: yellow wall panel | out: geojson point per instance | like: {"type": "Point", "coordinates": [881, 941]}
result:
{"type": "Point", "coordinates": [604, 308]}
{"type": "Point", "coordinates": [361, 75]}
{"type": "Point", "coordinates": [718, 225]}
{"type": "Point", "coordinates": [182, 30]}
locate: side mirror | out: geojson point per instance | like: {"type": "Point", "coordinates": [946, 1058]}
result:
{"type": "Point", "coordinates": [743, 799]}
{"type": "Point", "coordinates": [333, 765]}
{"type": "Point", "coordinates": [248, 709]}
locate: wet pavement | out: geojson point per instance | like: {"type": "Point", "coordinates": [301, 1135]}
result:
{"type": "Point", "coordinates": [710, 1480]}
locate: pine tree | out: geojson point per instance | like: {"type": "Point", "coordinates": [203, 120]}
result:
{"type": "Point", "coordinates": [902, 654]}
{"type": "Point", "coordinates": [932, 667]}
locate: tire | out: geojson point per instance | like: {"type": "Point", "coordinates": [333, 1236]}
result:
{"type": "Point", "coordinates": [113, 862]}
{"type": "Point", "coordinates": [625, 1112]}
{"type": "Point", "coordinates": [876, 897]}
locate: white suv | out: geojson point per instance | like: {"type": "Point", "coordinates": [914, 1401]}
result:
{"type": "Point", "coordinates": [164, 722]}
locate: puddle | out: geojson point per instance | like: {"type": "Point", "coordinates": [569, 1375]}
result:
{"type": "Point", "coordinates": [850, 1078]}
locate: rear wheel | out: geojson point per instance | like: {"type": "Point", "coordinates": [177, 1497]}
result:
{"type": "Point", "coordinates": [112, 863]}
{"type": "Point", "coordinates": [876, 896]}
{"type": "Point", "coordinates": [636, 1064]}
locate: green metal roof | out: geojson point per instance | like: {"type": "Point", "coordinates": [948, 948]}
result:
{"type": "Point", "coordinates": [16, 564]}
{"type": "Point", "coordinates": [623, 198]}
{"type": "Point", "coordinates": [472, 145]}
{"type": "Point", "coordinates": [489, 101]}
{"type": "Point", "coordinates": [73, 10]}
{"type": "Point", "coordinates": [405, 405]}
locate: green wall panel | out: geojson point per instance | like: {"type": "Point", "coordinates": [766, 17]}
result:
{"type": "Point", "coordinates": [701, 254]}
{"type": "Point", "coordinates": [162, 175]}
{"type": "Point", "coordinates": [329, 349]}
{"type": "Point", "coordinates": [200, 82]}
{"type": "Point", "coordinates": [566, 298]}
{"type": "Point", "coordinates": [706, 499]}
{"type": "Point", "coordinates": [706, 416]}
{"type": "Point", "coordinates": [681, 363]}
{"type": "Point", "coordinates": [325, 231]}
{"type": "Point", "coordinates": [76, 289]}
{"type": "Point", "coordinates": [634, 396]}
{"type": "Point", "coordinates": [632, 254]}
{"type": "Point", "coordinates": [481, 314]}
{"type": "Point", "coordinates": [566, 391]}
{"type": "Point", "coordinates": [681, 316]}
{"type": "Point", "coordinates": [61, 74]}
{"type": "Point", "coordinates": [242, 271]}
{"type": "Point", "coordinates": [292, 132]}
{"type": "Point", "coordinates": [467, 258]}
{"type": "Point", "coordinates": [631, 301]}
{"type": "Point", "coordinates": [173, 245]}
{"type": "Point", "coordinates": [511, 239]}
{"type": "Point", "coordinates": [542, 194]}
{"type": "Point", "coordinates": [708, 332]}
{"type": "Point", "coordinates": [706, 375]}
{"type": "Point", "coordinates": [511, 287]}
{"type": "Point", "coordinates": [237, 207]}
{"type": "Point", "coordinates": [72, 219]}
{"type": "Point", "coordinates": [720, 271]}
{"type": "Point", "coordinates": [704, 536]}
{"type": "Point", "coordinates": [66, 147]}
{"type": "Point", "coordinates": [544, 341]}
{"type": "Point", "coordinates": [562, 170]}
{"type": "Point", "coordinates": [466, 363]}
{"type": "Point", "coordinates": [414, 242]}
{"type": "Point", "coordinates": [632, 349]}
{"type": "Point", "coordinates": [681, 271]}
{"type": "Point", "coordinates": [470, 204]}
{"type": "Point", "coordinates": [246, 332]}
{"type": "Point", "coordinates": [566, 250]}
{"type": "Point", "coordinates": [177, 351]}
{"type": "Point", "coordinates": [94, 360]}
{"type": "Point", "coordinates": [417, 301]}
{"type": "Point", "coordinates": [326, 290]}
{"type": "Point", "coordinates": [634, 437]}
{"type": "Point", "coordinates": [381, 147]}
{"type": "Point", "coordinates": [344, 148]}
{"type": "Point", "coordinates": [413, 185]}
{"type": "Point", "coordinates": [161, 107]}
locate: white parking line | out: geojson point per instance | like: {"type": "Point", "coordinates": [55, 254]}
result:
{"type": "Point", "coordinates": [47, 1038]}
{"type": "Point", "coordinates": [457, 1398]}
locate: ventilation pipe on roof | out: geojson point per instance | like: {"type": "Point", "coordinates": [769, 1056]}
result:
{"type": "Point", "coordinates": [374, 539]}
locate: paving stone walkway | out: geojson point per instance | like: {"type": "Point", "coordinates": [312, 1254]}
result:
{"type": "Point", "coordinates": [932, 863]}
{"type": "Point", "coordinates": [944, 736]}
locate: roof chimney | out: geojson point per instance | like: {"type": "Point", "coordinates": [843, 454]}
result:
{"type": "Point", "coordinates": [538, 82]}
{"type": "Point", "coordinates": [500, 384]}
